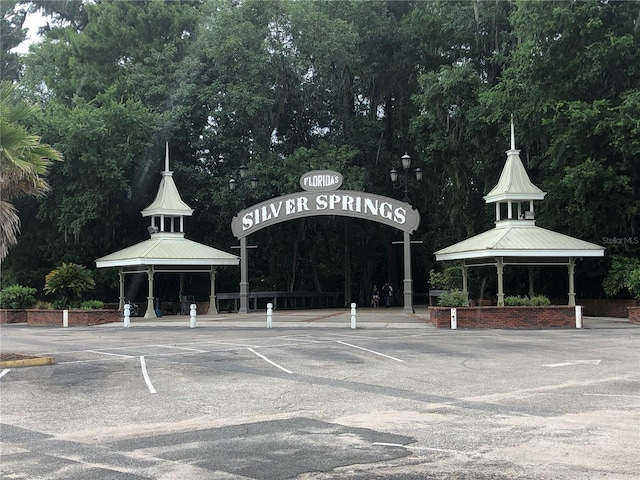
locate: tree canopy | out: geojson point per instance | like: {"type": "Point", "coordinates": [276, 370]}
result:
{"type": "Point", "coordinates": [289, 86]}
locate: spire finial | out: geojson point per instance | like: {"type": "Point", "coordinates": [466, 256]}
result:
{"type": "Point", "coordinates": [166, 159]}
{"type": "Point", "coordinates": [513, 135]}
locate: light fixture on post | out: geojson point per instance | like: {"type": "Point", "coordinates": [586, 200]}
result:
{"type": "Point", "coordinates": [406, 166]}
{"type": "Point", "coordinates": [406, 183]}
{"type": "Point", "coordinates": [244, 265]}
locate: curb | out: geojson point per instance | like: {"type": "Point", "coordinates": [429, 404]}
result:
{"type": "Point", "coordinates": [28, 362]}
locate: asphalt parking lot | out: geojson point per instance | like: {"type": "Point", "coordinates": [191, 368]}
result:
{"type": "Point", "coordinates": [312, 398]}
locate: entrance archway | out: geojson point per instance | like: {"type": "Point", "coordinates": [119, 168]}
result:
{"type": "Point", "coordinates": [323, 197]}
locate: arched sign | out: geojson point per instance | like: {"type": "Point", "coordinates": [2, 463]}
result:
{"type": "Point", "coordinates": [322, 197]}
{"type": "Point", "coordinates": [333, 202]}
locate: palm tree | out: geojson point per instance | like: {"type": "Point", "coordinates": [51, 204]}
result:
{"type": "Point", "coordinates": [24, 162]}
{"type": "Point", "coordinates": [69, 280]}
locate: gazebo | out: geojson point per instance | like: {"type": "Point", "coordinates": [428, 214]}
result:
{"type": "Point", "coordinates": [516, 240]}
{"type": "Point", "coordinates": [167, 250]}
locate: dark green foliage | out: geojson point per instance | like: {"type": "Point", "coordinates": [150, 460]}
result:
{"type": "Point", "coordinates": [535, 301]}
{"type": "Point", "coordinates": [289, 86]}
{"type": "Point", "coordinates": [68, 281]}
{"type": "Point", "coordinates": [17, 296]}
{"type": "Point", "coordinates": [92, 305]}
{"type": "Point", "coordinates": [454, 298]}
{"type": "Point", "coordinates": [624, 274]}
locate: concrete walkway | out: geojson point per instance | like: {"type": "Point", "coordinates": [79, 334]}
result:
{"type": "Point", "coordinates": [392, 317]}
{"type": "Point", "coordinates": [365, 318]}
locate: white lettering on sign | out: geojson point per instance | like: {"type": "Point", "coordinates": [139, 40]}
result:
{"type": "Point", "coordinates": [321, 180]}
{"type": "Point", "coordinates": [332, 202]}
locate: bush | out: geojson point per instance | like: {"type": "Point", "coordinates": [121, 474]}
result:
{"type": "Point", "coordinates": [514, 301]}
{"type": "Point", "coordinates": [535, 301]}
{"type": "Point", "coordinates": [68, 280]}
{"type": "Point", "coordinates": [17, 296]}
{"type": "Point", "coordinates": [454, 298]}
{"type": "Point", "coordinates": [539, 301]}
{"type": "Point", "coordinates": [92, 305]}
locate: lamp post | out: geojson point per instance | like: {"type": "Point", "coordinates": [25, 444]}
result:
{"type": "Point", "coordinates": [408, 281]}
{"type": "Point", "coordinates": [244, 265]}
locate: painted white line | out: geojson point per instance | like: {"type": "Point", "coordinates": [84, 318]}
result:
{"type": "Point", "coordinates": [4, 372]}
{"type": "Point", "coordinates": [370, 351]}
{"type": "Point", "coordinates": [573, 362]}
{"type": "Point", "coordinates": [410, 447]}
{"type": "Point", "coordinates": [183, 348]}
{"type": "Point", "coordinates": [267, 360]}
{"type": "Point", "coordinates": [146, 375]}
{"type": "Point", "coordinates": [107, 353]}
{"type": "Point", "coordinates": [610, 395]}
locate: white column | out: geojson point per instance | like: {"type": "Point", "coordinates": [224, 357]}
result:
{"type": "Point", "coordinates": [121, 299]}
{"type": "Point", "coordinates": [244, 277]}
{"type": "Point", "coordinates": [213, 310]}
{"type": "Point", "coordinates": [572, 289]}
{"type": "Point", "coordinates": [509, 210]}
{"type": "Point", "coordinates": [500, 268]}
{"type": "Point", "coordinates": [497, 211]}
{"type": "Point", "coordinates": [408, 281]}
{"type": "Point", "coordinates": [151, 312]}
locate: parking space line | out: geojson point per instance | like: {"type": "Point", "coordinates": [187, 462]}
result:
{"type": "Point", "coordinates": [107, 353]}
{"type": "Point", "coordinates": [267, 360]}
{"type": "Point", "coordinates": [146, 375]}
{"type": "Point", "coordinates": [610, 395]}
{"type": "Point", "coordinates": [183, 348]}
{"type": "Point", "coordinates": [431, 449]}
{"type": "Point", "coordinates": [4, 372]}
{"type": "Point", "coordinates": [370, 351]}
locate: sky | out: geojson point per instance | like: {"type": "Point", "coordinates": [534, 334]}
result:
{"type": "Point", "coordinates": [33, 22]}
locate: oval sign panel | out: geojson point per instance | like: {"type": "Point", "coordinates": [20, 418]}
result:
{"type": "Point", "coordinates": [321, 180]}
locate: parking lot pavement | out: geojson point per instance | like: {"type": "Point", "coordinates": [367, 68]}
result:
{"type": "Point", "coordinates": [312, 398]}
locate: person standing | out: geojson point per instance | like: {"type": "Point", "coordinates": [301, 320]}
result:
{"type": "Point", "coordinates": [375, 297]}
{"type": "Point", "coordinates": [385, 294]}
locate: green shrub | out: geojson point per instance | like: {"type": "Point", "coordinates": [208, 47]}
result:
{"type": "Point", "coordinates": [92, 305]}
{"type": "Point", "coordinates": [515, 301]}
{"type": "Point", "coordinates": [69, 281]}
{"type": "Point", "coordinates": [17, 296]}
{"type": "Point", "coordinates": [454, 298]}
{"type": "Point", "coordinates": [535, 301]}
{"type": "Point", "coordinates": [449, 279]}
{"type": "Point", "coordinates": [539, 300]}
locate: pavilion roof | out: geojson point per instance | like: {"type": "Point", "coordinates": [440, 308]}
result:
{"type": "Point", "coordinates": [519, 238]}
{"type": "Point", "coordinates": [168, 249]}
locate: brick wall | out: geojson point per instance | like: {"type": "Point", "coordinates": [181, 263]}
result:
{"type": "Point", "coordinates": [76, 317]}
{"type": "Point", "coordinates": [607, 307]}
{"type": "Point", "coordinates": [634, 315]}
{"type": "Point", "coordinates": [13, 316]}
{"type": "Point", "coordinates": [553, 316]}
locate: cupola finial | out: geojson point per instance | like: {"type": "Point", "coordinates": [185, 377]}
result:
{"type": "Point", "coordinates": [513, 135]}
{"type": "Point", "coordinates": [166, 158]}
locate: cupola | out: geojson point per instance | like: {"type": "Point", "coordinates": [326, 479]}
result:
{"type": "Point", "coordinates": [167, 211]}
{"type": "Point", "coordinates": [514, 189]}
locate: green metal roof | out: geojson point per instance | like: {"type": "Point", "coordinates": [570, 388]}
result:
{"type": "Point", "coordinates": [168, 249]}
{"type": "Point", "coordinates": [519, 238]}
{"type": "Point", "coordinates": [168, 201]}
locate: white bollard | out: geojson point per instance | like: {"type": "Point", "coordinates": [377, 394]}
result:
{"type": "Point", "coordinates": [578, 316]}
{"type": "Point", "coordinates": [65, 318]}
{"type": "Point", "coordinates": [269, 314]}
{"type": "Point", "coordinates": [127, 315]}
{"type": "Point", "coordinates": [353, 315]}
{"type": "Point", "coordinates": [454, 319]}
{"type": "Point", "coordinates": [192, 312]}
